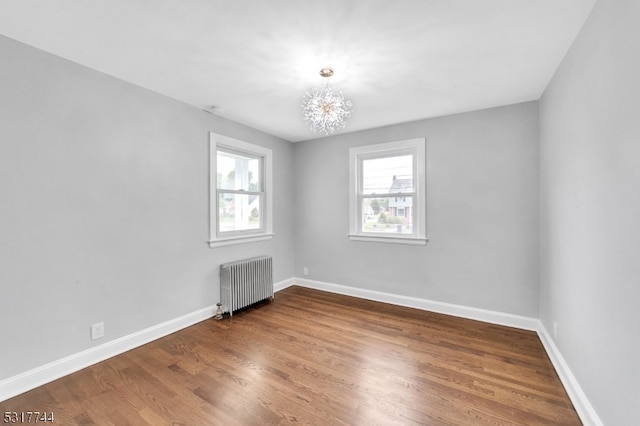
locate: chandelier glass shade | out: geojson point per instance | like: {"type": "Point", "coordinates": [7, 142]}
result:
{"type": "Point", "coordinates": [324, 109]}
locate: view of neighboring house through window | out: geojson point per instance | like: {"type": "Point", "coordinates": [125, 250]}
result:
{"type": "Point", "coordinates": [382, 180]}
{"type": "Point", "coordinates": [387, 196]}
{"type": "Point", "coordinates": [241, 191]}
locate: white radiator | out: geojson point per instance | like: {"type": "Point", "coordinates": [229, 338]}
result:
{"type": "Point", "coordinates": [245, 282]}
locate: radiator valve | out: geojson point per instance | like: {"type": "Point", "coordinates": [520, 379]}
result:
{"type": "Point", "coordinates": [218, 315]}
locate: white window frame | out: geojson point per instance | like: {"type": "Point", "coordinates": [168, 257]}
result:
{"type": "Point", "coordinates": [415, 147]}
{"type": "Point", "coordinates": [265, 232]}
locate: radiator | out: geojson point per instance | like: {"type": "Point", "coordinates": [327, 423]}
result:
{"type": "Point", "coordinates": [245, 282]}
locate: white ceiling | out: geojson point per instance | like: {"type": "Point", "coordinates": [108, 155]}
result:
{"type": "Point", "coordinates": [397, 61]}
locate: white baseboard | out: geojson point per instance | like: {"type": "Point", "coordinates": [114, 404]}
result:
{"type": "Point", "coordinates": [38, 376]}
{"type": "Point", "coordinates": [46, 373]}
{"type": "Point", "coordinates": [580, 401]}
{"type": "Point", "coordinates": [484, 315]}
{"type": "Point", "coordinates": [283, 284]}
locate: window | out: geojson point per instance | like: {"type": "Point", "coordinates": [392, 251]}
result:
{"type": "Point", "coordinates": [240, 192]}
{"type": "Point", "coordinates": [387, 195]}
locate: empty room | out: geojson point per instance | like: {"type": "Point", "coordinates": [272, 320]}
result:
{"type": "Point", "coordinates": [355, 212]}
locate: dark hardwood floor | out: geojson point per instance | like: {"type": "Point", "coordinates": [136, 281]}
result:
{"type": "Point", "coordinates": [318, 358]}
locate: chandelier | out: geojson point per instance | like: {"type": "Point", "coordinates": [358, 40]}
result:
{"type": "Point", "coordinates": [325, 110]}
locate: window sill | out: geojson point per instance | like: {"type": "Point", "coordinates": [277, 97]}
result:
{"type": "Point", "coordinates": [389, 239]}
{"type": "Point", "coordinates": [221, 242]}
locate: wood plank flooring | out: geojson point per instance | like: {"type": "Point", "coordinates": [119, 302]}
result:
{"type": "Point", "coordinates": [316, 358]}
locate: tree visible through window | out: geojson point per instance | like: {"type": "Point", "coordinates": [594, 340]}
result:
{"type": "Point", "coordinates": [382, 180]}
{"type": "Point", "coordinates": [239, 191]}
{"type": "Point", "coordinates": [388, 191]}
{"type": "Point", "coordinates": [240, 200]}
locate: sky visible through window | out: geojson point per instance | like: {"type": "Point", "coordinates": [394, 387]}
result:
{"type": "Point", "coordinates": [237, 172]}
{"type": "Point", "coordinates": [378, 173]}
{"type": "Point", "coordinates": [238, 211]}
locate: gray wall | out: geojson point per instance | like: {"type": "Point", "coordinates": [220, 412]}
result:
{"type": "Point", "coordinates": [104, 217]}
{"type": "Point", "coordinates": [590, 209]}
{"type": "Point", "coordinates": [482, 213]}
{"type": "Point", "coordinates": [103, 189]}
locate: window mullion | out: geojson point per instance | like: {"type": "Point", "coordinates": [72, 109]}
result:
{"type": "Point", "coordinates": [389, 195]}
{"type": "Point", "coordinates": [241, 191]}
{"type": "Point", "coordinates": [395, 171]}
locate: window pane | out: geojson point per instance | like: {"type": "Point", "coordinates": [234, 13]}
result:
{"type": "Point", "coordinates": [387, 174]}
{"type": "Point", "coordinates": [237, 171]}
{"type": "Point", "coordinates": [388, 215]}
{"type": "Point", "coordinates": [238, 212]}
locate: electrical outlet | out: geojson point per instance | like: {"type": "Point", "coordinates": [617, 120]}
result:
{"type": "Point", "coordinates": [97, 331]}
{"type": "Point", "coordinates": [305, 271]}
{"type": "Point", "coordinates": [555, 330]}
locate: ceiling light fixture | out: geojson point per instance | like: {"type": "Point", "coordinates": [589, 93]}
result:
{"type": "Point", "coordinates": [325, 110]}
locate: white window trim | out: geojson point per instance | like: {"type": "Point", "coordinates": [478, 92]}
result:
{"type": "Point", "coordinates": [265, 233]}
{"type": "Point", "coordinates": [418, 148]}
